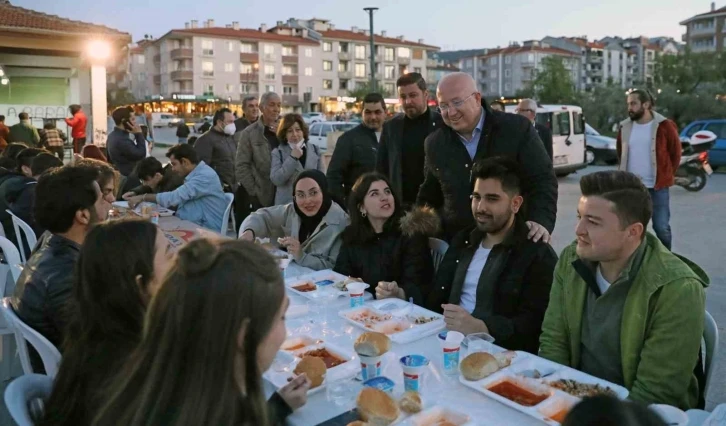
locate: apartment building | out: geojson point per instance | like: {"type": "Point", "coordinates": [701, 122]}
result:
{"type": "Point", "coordinates": [706, 32]}
{"type": "Point", "coordinates": [645, 56]}
{"type": "Point", "coordinates": [436, 69]}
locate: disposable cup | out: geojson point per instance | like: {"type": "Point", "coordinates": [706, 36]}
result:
{"type": "Point", "coordinates": [451, 348]}
{"type": "Point", "coordinates": [413, 367]}
{"type": "Point", "coordinates": [356, 291]}
{"type": "Point", "coordinates": [479, 342]}
{"type": "Point", "coordinates": [370, 366]}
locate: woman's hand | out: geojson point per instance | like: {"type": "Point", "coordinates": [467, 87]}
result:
{"type": "Point", "coordinates": [295, 393]}
{"type": "Point", "coordinates": [292, 245]}
{"type": "Point", "coordinates": [135, 201]}
{"type": "Point", "coordinates": [296, 151]}
{"type": "Point", "coordinates": [387, 290]}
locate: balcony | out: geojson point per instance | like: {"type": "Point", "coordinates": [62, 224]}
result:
{"type": "Point", "coordinates": [347, 75]}
{"type": "Point", "coordinates": [595, 59]}
{"type": "Point", "coordinates": [344, 56]}
{"type": "Point", "coordinates": [290, 99]}
{"type": "Point", "coordinates": [289, 79]}
{"type": "Point", "coordinates": [248, 77]}
{"type": "Point", "coordinates": [249, 57]}
{"type": "Point", "coordinates": [404, 61]}
{"type": "Point", "coordinates": [289, 59]}
{"type": "Point", "coordinates": [182, 53]}
{"type": "Point", "coordinates": [182, 75]}
{"type": "Point", "coordinates": [703, 31]}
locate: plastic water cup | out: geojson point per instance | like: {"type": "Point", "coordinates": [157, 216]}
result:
{"type": "Point", "coordinates": [479, 342]}
{"type": "Point", "coordinates": [413, 367]}
{"type": "Point", "coordinates": [451, 348]}
{"type": "Point", "coordinates": [356, 291]}
{"type": "Point", "coordinates": [370, 366]}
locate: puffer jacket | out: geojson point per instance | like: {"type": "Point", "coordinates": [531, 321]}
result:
{"type": "Point", "coordinates": [218, 151]}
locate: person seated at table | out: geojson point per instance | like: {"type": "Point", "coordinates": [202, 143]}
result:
{"type": "Point", "coordinates": [309, 227]}
{"type": "Point", "coordinates": [213, 328]}
{"type": "Point", "coordinates": [200, 199]}
{"type": "Point", "coordinates": [493, 279]}
{"type": "Point", "coordinates": [108, 177]}
{"type": "Point", "coordinates": [155, 178]}
{"type": "Point", "coordinates": [68, 202]}
{"type": "Point", "coordinates": [106, 314]}
{"type": "Point", "coordinates": [11, 183]}
{"type": "Point", "coordinates": [603, 410]}
{"type": "Point", "coordinates": [623, 307]}
{"type": "Point", "coordinates": [383, 247]}
{"type": "Point", "coordinates": [22, 202]}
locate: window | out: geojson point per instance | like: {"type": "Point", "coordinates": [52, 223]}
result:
{"type": "Point", "coordinates": [308, 90]}
{"type": "Point", "coordinates": [247, 48]}
{"type": "Point", "coordinates": [245, 88]}
{"type": "Point", "coordinates": [718, 128]}
{"type": "Point", "coordinates": [388, 54]}
{"type": "Point", "coordinates": [360, 70]}
{"type": "Point", "coordinates": [389, 72]}
{"type": "Point", "coordinates": [141, 77]}
{"type": "Point", "coordinates": [404, 52]}
{"type": "Point", "coordinates": [390, 88]}
{"type": "Point", "coordinates": [289, 70]}
{"type": "Point", "coordinates": [507, 73]}
{"type": "Point", "coordinates": [308, 71]}
{"type": "Point", "coordinates": [561, 123]}
{"type": "Point", "coordinates": [269, 51]}
{"type": "Point", "coordinates": [140, 59]}
{"type": "Point", "coordinates": [327, 46]}
{"type": "Point", "coordinates": [469, 63]}
{"type": "Point", "coordinates": [327, 65]}
{"type": "Point", "coordinates": [208, 47]}
{"type": "Point", "coordinates": [360, 52]}
{"type": "Point", "coordinates": [229, 88]}
{"type": "Point", "coordinates": [315, 129]}
{"type": "Point", "coordinates": [578, 123]}
{"type": "Point", "coordinates": [494, 74]}
{"type": "Point", "coordinates": [229, 67]}
{"type": "Point", "coordinates": [289, 90]}
{"type": "Point", "coordinates": [327, 84]}
{"type": "Point", "coordinates": [342, 66]}
{"type": "Point", "coordinates": [417, 54]}
{"type": "Point", "coordinates": [493, 60]}
{"type": "Point", "coordinates": [507, 87]}
{"type": "Point", "coordinates": [207, 69]}
{"type": "Point", "coordinates": [343, 47]}
{"type": "Point", "coordinates": [695, 128]}
{"type": "Point", "coordinates": [344, 84]}
{"type": "Point", "coordinates": [230, 46]}
{"type": "Point", "coordinates": [270, 72]}
{"type": "Point", "coordinates": [308, 52]}
{"type": "Point", "coordinates": [209, 89]}
{"type": "Point", "coordinates": [417, 69]}
{"type": "Point", "coordinates": [246, 68]}
{"type": "Point", "coordinates": [507, 59]}
{"type": "Point", "coordinates": [287, 51]}
{"type": "Point", "coordinates": [270, 88]}
{"type": "Point", "coordinates": [325, 129]}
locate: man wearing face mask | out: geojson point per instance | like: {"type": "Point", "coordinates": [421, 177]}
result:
{"type": "Point", "coordinates": [217, 148]}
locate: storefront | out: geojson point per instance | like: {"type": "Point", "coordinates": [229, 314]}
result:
{"type": "Point", "coordinates": [189, 106]}
{"type": "Point", "coordinates": [334, 105]}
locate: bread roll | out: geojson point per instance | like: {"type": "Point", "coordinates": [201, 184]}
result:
{"type": "Point", "coordinates": [377, 407]}
{"type": "Point", "coordinates": [478, 365]}
{"type": "Point", "coordinates": [411, 402]}
{"type": "Point", "coordinates": [372, 343]}
{"type": "Point", "coordinates": [314, 368]}
{"type": "Point", "coordinates": [357, 423]}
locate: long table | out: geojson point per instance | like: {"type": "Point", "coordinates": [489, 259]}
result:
{"type": "Point", "coordinates": [438, 388]}
{"type": "Point", "coordinates": [180, 231]}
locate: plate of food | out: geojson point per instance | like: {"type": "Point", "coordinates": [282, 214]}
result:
{"type": "Point", "coordinates": [438, 415]}
{"type": "Point", "coordinates": [124, 205]}
{"type": "Point", "coordinates": [384, 316]}
{"type": "Point", "coordinates": [327, 280]}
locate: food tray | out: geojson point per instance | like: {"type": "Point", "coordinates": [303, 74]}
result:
{"type": "Point", "coordinates": [278, 376]}
{"type": "Point", "coordinates": [556, 401]}
{"type": "Point", "coordinates": [394, 321]}
{"type": "Point", "coordinates": [436, 414]}
{"type": "Point", "coordinates": [163, 212]}
{"type": "Point", "coordinates": [322, 279]}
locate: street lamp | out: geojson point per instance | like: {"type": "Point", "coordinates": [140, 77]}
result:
{"type": "Point", "coordinates": [98, 50]}
{"type": "Point", "coordinates": [370, 11]}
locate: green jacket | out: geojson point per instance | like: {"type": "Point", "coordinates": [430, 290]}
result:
{"type": "Point", "coordinates": [24, 132]}
{"type": "Point", "coordinates": [662, 324]}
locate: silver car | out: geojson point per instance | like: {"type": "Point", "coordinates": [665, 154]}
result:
{"type": "Point", "coordinates": [600, 149]}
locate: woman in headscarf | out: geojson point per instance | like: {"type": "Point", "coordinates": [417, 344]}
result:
{"type": "Point", "coordinates": [309, 227]}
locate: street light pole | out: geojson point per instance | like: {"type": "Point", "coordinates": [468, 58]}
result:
{"type": "Point", "coordinates": [370, 11]}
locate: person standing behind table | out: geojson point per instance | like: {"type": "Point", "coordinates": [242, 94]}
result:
{"type": "Point", "coordinates": [251, 108]}
{"type": "Point", "coordinates": [309, 227]}
{"type": "Point", "coordinates": [78, 127]}
{"type": "Point", "coordinates": [527, 108]}
{"type": "Point", "coordinates": [123, 152]}
{"type": "Point", "coordinates": [649, 146]}
{"type": "Point", "coordinates": [217, 148]}
{"type": "Point", "coordinates": [401, 156]}
{"type": "Point", "coordinates": [292, 156]}
{"type": "Point", "coordinates": [200, 199]}
{"type": "Point", "coordinates": [356, 149]}
{"type": "Point", "coordinates": [4, 133]}
{"type": "Point", "coordinates": [474, 132]}
{"type": "Point", "coordinates": [492, 278]}
{"type": "Point", "coordinates": [182, 132]}
{"type": "Point", "coordinates": [623, 307]}
{"type": "Point", "coordinates": [24, 132]}
{"type": "Point", "coordinates": [52, 139]}
{"type": "Point", "coordinates": [68, 202]}
{"type": "Point", "coordinates": [384, 248]}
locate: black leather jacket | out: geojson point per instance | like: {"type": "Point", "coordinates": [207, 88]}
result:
{"type": "Point", "coordinates": [45, 287]}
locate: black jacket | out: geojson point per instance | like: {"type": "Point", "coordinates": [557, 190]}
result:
{"type": "Point", "coordinates": [388, 161]}
{"type": "Point", "coordinates": [545, 135]}
{"type": "Point", "coordinates": [124, 153]}
{"type": "Point", "coordinates": [354, 155]}
{"type": "Point", "coordinates": [11, 184]}
{"type": "Point", "coordinates": [241, 124]}
{"type": "Point", "coordinates": [22, 204]}
{"type": "Point", "coordinates": [218, 151]}
{"type": "Point", "coordinates": [182, 130]}
{"type": "Point", "coordinates": [522, 272]}
{"type": "Point", "coordinates": [448, 185]}
{"type": "Point", "coordinates": [169, 182]}
{"type": "Point", "coordinates": [45, 286]}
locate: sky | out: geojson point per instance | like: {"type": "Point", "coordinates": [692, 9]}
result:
{"type": "Point", "coordinates": [449, 24]}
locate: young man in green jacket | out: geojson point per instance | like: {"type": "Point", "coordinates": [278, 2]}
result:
{"type": "Point", "coordinates": [622, 306]}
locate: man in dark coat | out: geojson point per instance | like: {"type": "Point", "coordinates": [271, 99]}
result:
{"type": "Point", "coordinates": [355, 151]}
{"type": "Point", "coordinates": [251, 108]}
{"type": "Point", "coordinates": [401, 154]}
{"type": "Point", "coordinates": [527, 108]}
{"type": "Point", "coordinates": [474, 132]}
{"type": "Point", "coordinates": [493, 279]}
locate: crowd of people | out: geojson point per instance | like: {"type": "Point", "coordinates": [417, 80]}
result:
{"type": "Point", "coordinates": [139, 325]}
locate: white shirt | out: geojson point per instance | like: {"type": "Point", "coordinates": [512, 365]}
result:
{"type": "Point", "coordinates": [639, 153]}
{"type": "Point", "coordinates": [471, 281]}
{"type": "Point", "coordinates": [378, 136]}
{"type": "Point", "coordinates": [602, 283]}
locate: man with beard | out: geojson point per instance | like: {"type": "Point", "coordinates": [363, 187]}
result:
{"type": "Point", "coordinates": [649, 147]}
{"type": "Point", "coordinates": [355, 151]}
{"type": "Point", "coordinates": [493, 279]}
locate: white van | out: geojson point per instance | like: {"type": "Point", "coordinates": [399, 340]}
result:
{"type": "Point", "coordinates": [568, 135]}
{"type": "Point", "coordinates": [164, 119]}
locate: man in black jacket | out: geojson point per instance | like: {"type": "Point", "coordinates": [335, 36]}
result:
{"type": "Point", "coordinates": [355, 151]}
{"type": "Point", "coordinates": [154, 178]}
{"type": "Point", "coordinates": [218, 148]}
{"type": "Point", "coordinates": [401, 154]}
{"type": "Point", "coordinates": [68, 203]}
{"type": "Point", "coordinates": [493, 279]}
{"type": "Point", "coordinates": [474, 132]}
{"type": "Point", "coordinates": [251, 108]}
{"type": "Point", "coordinates": [123, 152]}
{"type": "Point", "coordinates": [527, 108]}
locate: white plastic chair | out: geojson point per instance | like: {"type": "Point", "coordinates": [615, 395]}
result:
{"type": "Point", "coordinates": [19, 224]}
{"type": "Point", "coordinates": [710, 336]}
{"type": "Point", "coordinates": [22, 392]}
{"type": "Point", "coordinates": [49, 354]}
{"type": "Point", "coordinates": [227, 213]}
{"type": "Point", "coordinates": [12, 257]}
{"type": "Point", "coordinates": [438, 250]}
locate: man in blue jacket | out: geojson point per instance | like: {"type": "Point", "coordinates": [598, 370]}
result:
{"type": "Point", "coordinates": [123, 152]}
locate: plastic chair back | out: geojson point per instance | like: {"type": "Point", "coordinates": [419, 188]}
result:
{"type": "Point", "coordinates": [28, 232]}
{"type": "Point", "coordinates": [22, 392]}
{"type": "Point", "coordinates": [438, 250]}
{"type": "Point", "coordinates": [710, 336]}
{"type": "Point", "coordinates": [227, 213]}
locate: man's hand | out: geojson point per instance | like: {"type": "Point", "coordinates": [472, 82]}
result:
{"type": "Point", "coordinates": [457, 319]}
{"type": "Point", "coordinates": [135, 201]}
{"type": "Point", "coordinates": [387, 290]}
{"type": "Point", "coordinates": [295, 393]}
{"type": "Point", "coordinates": [136, 129]}
{"type": "Point", "coordinates": [538, 232]}
{"type": "Point", "coordinates": [292, 244]}
{"type": "Point", "coordinates": [247, 236]}
{"type": "Point", "coordinates": [128, 195]}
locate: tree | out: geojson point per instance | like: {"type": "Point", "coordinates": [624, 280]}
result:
{"type": "Point", "coordinates": [553, 83]}
{"type": "Point", "coordinates": [120, 97]}
{"type": "Point", "coordinates": [689, 70]}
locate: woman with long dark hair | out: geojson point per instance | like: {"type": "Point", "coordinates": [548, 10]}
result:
{"type": "Point", "coordinates": [383, 247]}
{"type": "Point", "coordinates": [212, 329]}
{"type": "Point", "coordinates": [121, 266]}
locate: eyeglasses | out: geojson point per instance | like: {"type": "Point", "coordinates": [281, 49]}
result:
{"type": "Point", "coordinates": [456, 104]}
{"type": "Point", "coordinates": [300, 196]}
{"type": "Point", "coordinates": [526, 110]}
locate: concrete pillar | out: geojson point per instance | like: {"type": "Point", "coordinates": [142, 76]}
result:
{"type": "Point", "coordinates": [99, 105]}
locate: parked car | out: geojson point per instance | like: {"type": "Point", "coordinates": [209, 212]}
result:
{"type": "Point", "coordinates": [162, 119]}
{"type": "Point", "coordinates": [318, 134]}
{"type": "Point", "coordinates": [201, 121]}
{"type": "Point", "coordinates": [717, 154]}
{"type": "Point", "coordinates": [313, 117]}
{"type": "Point", "coordinates": [599, 148]}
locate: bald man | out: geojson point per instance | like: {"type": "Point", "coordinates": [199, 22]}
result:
{"type": "Point", "coordinates": [473, 132]}
{"type": "Point", "coordinates": [527, 108]}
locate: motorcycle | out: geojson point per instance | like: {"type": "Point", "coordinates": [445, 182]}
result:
{"type": "Point", "coordinates": [694, 169]}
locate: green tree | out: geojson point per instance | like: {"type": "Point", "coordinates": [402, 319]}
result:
{"type": "Point", "coordinates": [552, 84]}
{"type": "Point", "coordinates": [688, 71]}
{"type": "Point", "coordinates": [120, 97]}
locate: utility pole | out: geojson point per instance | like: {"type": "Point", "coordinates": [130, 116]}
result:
{"type": "Point", "coordinates": [370, 11]}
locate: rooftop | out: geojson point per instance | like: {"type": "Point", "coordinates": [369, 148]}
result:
{"type": "Point", "coordinates": [529, 48]}
{"type": "Point", "coordinates": [242, 34]}
{"type": "Point", "coordinates": [713, 12]}
{"type": "Point", "coordinates": [359, 36]}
